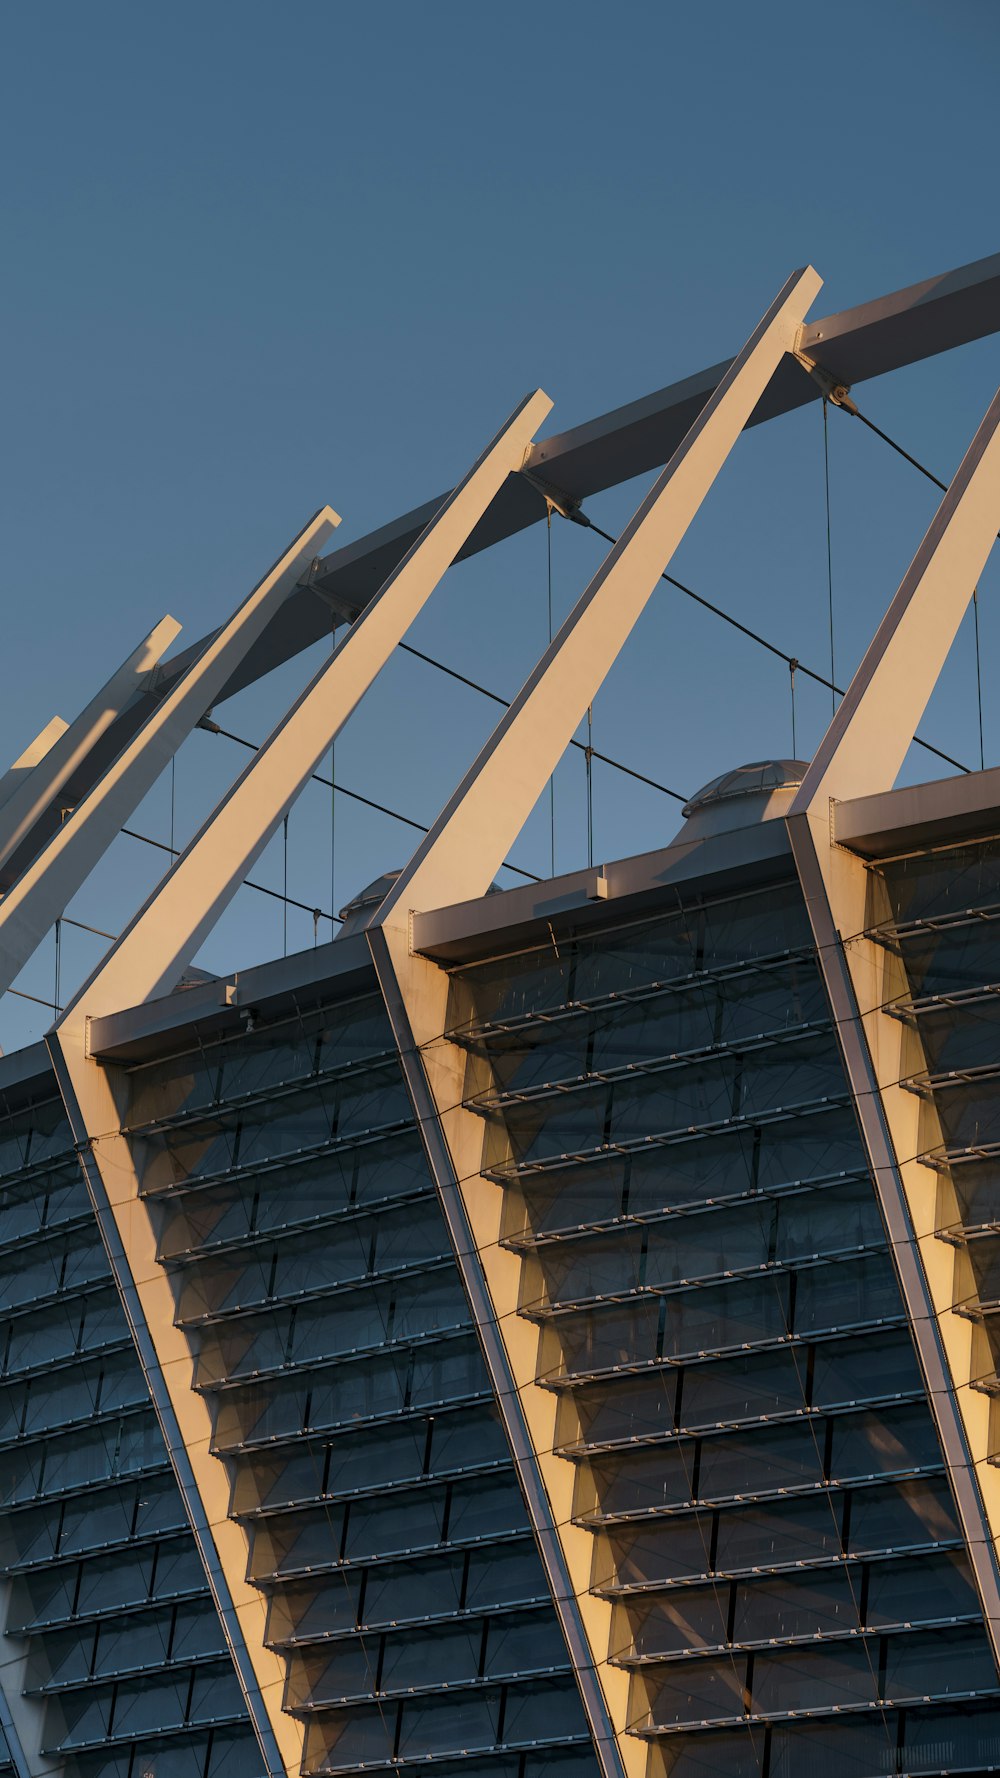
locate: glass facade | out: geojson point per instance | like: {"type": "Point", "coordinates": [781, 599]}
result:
{"type": "Point", "coordinates": [716, 1321]}
{"type": "Point", "coordinates": [937, 915]}
{"type": "Point", "coordinates": [106, 1597]}
{"type": "Point", "coordinates": [718, 1318]}
{"type": "Point", "coordinates": [330, 1334]}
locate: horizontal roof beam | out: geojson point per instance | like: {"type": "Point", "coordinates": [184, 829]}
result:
{"type": "Point", "coordinates": [941, 813]}
{"type": "Point", "coordinates": [867, 341]}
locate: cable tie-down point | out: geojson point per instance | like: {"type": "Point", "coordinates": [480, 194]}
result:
{"type": "Point", "coordinates": [834, 390]}
{"type": "Point", "coordinates": [564, 504]}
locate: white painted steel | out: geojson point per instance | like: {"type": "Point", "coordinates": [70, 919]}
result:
{"type": "Point", "coordinates": [869, 737]}
{"type": "Point", "coordinates": [26, 762]}
{"type": "Point", "coordinates": [475, 831]}
{"type": "Point", "coordinates": [457, 861]}
{"type": "Point", "coordinates": [860, 756]}
{"type": "Point", "coordinates": [40, 894]}
{"type": "Point", "coordinates": [181, 912]}
{"type": "Point", "coordinates": [147, 959]}
{"type": "Point", "coordinates": [69, 750]}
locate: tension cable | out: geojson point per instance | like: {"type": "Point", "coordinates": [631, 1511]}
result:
{"type": "Point", "coordinates": [495, 698]}
{"type": "Point", "coordinates": [841, 397]}
{"type": "Point", "coordinates": [829, 553]}
{"type": "Point", "coordinates": [856, 414]}
{"type": "Point", "coordinates": [580, 518]}
{"type": "Point", "coordinates": [213, 728]}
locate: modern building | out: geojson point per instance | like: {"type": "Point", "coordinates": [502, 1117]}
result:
{"type": "Point", "coordinates": [539, 1334]}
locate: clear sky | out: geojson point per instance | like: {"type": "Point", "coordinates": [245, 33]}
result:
{"type": "Point", "coordinates": [262, 256]}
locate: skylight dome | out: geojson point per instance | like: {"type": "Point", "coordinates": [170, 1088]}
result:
{"type": "Point", "coordinates": [749, 780]}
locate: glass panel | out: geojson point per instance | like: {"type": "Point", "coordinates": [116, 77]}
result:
{"type": "Point", "coordinates": [939, 1664]}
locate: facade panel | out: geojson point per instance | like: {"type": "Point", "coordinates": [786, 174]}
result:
{"type": "Point", "coordinates": [329, 1332]}
{"type": "Point", "coordinates": [719, 1321]}
{"type": "Point", "coordinates": [936, 915]}
{"type": "Point", "coordinates": [125, 1669]}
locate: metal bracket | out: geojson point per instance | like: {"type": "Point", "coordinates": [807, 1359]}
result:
{"type": "Point", "coordinates": [566, 505]}
{"type": "Point", "coordinates": [342, 610]}
{"type": "Point", "coordinates": [838, 393]}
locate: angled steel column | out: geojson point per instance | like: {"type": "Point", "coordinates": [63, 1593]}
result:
{"type": "Point", "coordinates": [26, 762]}
{"type": "Point", "coordinates": [39, 896]}
{"type": "Point", "coordinates": [167, 932]}
{"type": "Point", "coordinates": [861, 753]}
{"type": "Point", "coordinates": [457, 861]}
{"type": "Point", "coordinates": [69, 749]}
{"type": "Point", "coordinates": [146, 960]}
{"type": "Point", "coordinates": [30, 907]}
{"type": "Point", "coordinates": [936, 315]}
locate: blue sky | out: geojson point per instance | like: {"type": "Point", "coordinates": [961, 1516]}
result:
{"type": "Point", "coordinates": [259, 257]}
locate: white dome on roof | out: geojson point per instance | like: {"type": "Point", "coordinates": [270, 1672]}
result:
{"type": "Point", "coordinates": [740, 797]}
{"type": "Point", "coordinates": [749, 780]}
{"type": "Point", "coordinates": [361, 908]}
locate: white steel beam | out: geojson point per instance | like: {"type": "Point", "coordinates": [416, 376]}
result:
{"type": "Point", "coordinates": [168, 931]}
{"type": "Point", "coordinates": [868, 739]}
{"type": "Point", "coordinates": [91, 1107]}
{"type": "Point", "coordinates": [36, 900]}
{"type": "Point", "coordinates": [860, 755]}
{"type": "Point", "coordinates": [458, 861]}
{"type": "Point", "coordinates": [26, 762]}
{"type": "Point", "coordinates": [68, 750]}
{"type": "Point", "coordinates": [937, 315]}
{"type": "Point", "coordinates": [184, 1419]}
{"type": "Point", "coordinates": [146, 960]}
{"type": "Point", "coordinates": [475, 831]}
